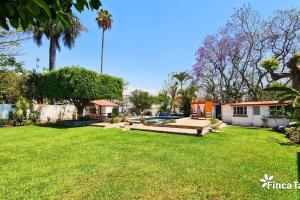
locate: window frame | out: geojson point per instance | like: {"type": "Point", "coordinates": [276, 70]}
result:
{"type": "Point", "coordinates": [276, 108]}
{"type": "Point", "coordinates": [240, 111]}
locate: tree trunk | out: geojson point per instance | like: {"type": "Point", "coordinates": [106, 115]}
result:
{"type": "Point", "coordinates": [80, 105]}
{"type": "Point", "coordinates": [171, 105]}
{"type": "Point", "coordinates": [295, 75]}
{"type": "Point", "coordinates": [102, 49]}
{"type": "Point", "coordinates": [52, 54]}
{"type": "Point", "coordinates": [80, 111]}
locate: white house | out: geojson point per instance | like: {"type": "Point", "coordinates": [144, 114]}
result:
{"type": "Point", "coordinates": [260, 113]}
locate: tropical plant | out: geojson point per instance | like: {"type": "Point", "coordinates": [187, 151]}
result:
{"type": "Point", "coordinates": [141, 101]}
{"type": "Point", "coordinates": [21, 113]}
{"type": "Point", "coordinates": [285, 94]}
{"type": "Point", "coordinates": [24, 13]}
{"type": "Point", "coordinates": [80, 86]}
{"type": "Point", "coordinates": [55, 32]}
{"type": "Point", "coordinates": [104, 21]}
{"type": "Point", "coordinates": [186, 102]}
{"type": "Point", "coordinates": [164, 100]}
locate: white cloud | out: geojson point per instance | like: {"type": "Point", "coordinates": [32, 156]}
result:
{"type": "Point", "coordinates": [131, 88]}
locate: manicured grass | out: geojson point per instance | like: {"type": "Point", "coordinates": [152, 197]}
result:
{"type": "Point", "coordinates": [93, 163]}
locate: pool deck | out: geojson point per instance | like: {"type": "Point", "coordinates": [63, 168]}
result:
{"type": "Point", "coordinates": [189, 127]}
{"type": "Point", "coordinates": [191, 122]}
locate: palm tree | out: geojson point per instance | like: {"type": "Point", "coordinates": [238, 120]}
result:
{"type": "Point", "coordinates": [55, 32]}
{"type": "Point", "coordinates": [182, 77]}
{"type": "Point", "coordinates": [104, 20]}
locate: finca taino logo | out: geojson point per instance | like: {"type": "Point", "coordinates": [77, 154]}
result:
{"type": "Point", "coordinates": [268, 183]}
{"type": "Point", "coordinates": [266, 180]}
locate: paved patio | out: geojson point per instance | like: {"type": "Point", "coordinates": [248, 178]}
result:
{"type": "Point", "coordinates": [189, 126]}
{"type": "Point", "coordinates": [191, 122]}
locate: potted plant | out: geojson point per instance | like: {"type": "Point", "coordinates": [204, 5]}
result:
{"type": "Point", "coordinates": [264, 120]}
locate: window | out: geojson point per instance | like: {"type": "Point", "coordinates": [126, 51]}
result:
{"type": "Point", "coordinates": [280, 110]}
{"type": "Point", "coordinates": [240, 110]}
{"type": "Point", "coordinates": [256, 110]}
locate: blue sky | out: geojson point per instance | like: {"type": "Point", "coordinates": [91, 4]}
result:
{"type": "Point", "coordinates": [149, 39]}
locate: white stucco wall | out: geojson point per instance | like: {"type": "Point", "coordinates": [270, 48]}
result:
{"type": "Point", "coordinates": [252, 120]}
{"type": "Point", "coordinates": [227, 111]}
{"type": "Point", "coordinates": [56, 112]}
{"type": "Point", "coordinates": [5, 109]}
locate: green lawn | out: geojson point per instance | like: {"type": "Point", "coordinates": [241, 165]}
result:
{"type": "Point", "coordinates": [93, 163]}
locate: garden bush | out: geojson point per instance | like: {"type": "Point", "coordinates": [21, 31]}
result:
{"type": "Point", "coordinates": [115, 111]}
{"type": "Point", "coordinates": [115, 120]}
{"type": "Point", "coordinates": [214, 124]}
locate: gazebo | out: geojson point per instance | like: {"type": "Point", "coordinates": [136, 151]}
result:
{"type": "Point", "coordinates": [98, 108]}
{"type": "Point", "coordinates": [202, 110]}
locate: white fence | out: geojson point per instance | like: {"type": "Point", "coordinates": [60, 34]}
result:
{"type": "Point", "coordinates": [5, 109]}
{"type": "Point", "coordinates": [47, 112]}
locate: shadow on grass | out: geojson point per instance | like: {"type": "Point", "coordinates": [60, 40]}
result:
{"type": "Point", "coordinates": [282, 143]}
{"type": "Point", "coordinates": [55, 126]}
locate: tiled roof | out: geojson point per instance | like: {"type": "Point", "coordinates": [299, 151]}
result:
{"type": "Point", "coordinates": [104, 103]}
{"type": "Point", "coordinates": [254, 103]}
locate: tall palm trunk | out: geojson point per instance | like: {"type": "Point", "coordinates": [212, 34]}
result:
{"type": "Point", "coordinates": [102, 49]}
{"type": "Point", "coordinates": [52, 54]}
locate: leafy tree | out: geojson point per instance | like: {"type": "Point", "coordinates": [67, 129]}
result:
{"type": "Point", "coordinates": [80, 86]}
{"type": "Point", "coordinates": [24, 13]}
{"type": "Point", "coordinates": [10, 43]}
{"type": "Point", "coordinates": [228, 63]}
{"type": "Point", "coordinates": [141, 101]}
{"type": "Point", "coordinates": [11, 86]}
{"type": "Point", "coordinates": [33, 86]}
{"type": "Point", "coordinates": [293, 72]}
{"type": "Point", "coordinates": [104, 20]}
{"type": "Point", "coordinates": [55, 32]}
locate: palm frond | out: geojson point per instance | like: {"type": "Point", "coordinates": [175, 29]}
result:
{"type": "Point", "coordinates": [38, 37]}
{"type": "Point", "coordinates": [282, 89]}
{"type": "Point", "coordinates": [104, 20]}
{"type": "Point", "coordinates": [286, 98]}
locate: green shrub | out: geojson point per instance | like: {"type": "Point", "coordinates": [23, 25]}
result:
{"type": "Point", "coordinates": [24, 113]}
{"type": "Point", "coordinates": [214, 124]}
{"type": "Point", "coordinates": [5, 122]}
{"type": "Point", "coordinates": [115, 111]}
